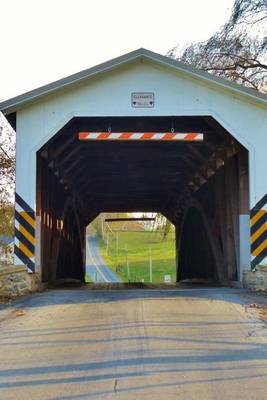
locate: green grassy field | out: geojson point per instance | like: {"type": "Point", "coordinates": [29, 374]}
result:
{"type": "Point", "coordinates": [138, 243]}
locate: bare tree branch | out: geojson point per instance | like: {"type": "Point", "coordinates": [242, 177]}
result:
{"type": "Point", "coordinates": [234, 52]}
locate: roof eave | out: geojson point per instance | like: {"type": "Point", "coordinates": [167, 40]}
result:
{"type": "Point", "coordinates": [213, 79]}
{"type": "Point", "coordinates": [14, 103]}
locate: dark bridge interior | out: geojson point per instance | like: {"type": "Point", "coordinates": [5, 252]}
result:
{"type": "Point", "coordinates": [200, 187]}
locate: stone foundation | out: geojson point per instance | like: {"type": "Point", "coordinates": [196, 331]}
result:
{"type": "Point", "coordinates": [256, 280]}
{"type": "Point", "coordinates": [16, 281]}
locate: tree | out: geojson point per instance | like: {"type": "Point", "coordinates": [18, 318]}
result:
{"type": "Point", "coordinates": [7, 162]}
{"type": "Point", "coordinates": [162, 224]}
{"type": "Point", "coordinates": [248, 12]}
{"type": "Point", "coordinates": [6, 220]}
{"type": "Point", "coordinates": [238, 51]}
{"type": "Point", "coordinates": [7, 178]}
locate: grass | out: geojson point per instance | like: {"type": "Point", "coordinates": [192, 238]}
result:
{"type": "Point", "coordinates": [138, 244]}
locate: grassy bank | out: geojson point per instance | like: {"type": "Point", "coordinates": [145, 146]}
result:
{"type": "Point", "coordinates": [138, 244]}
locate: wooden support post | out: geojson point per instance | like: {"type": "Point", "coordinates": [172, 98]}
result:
{"type": "Point", "coordinates": [177, 245]}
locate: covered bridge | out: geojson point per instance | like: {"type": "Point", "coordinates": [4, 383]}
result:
{"type": "Point", "coordinates": [141, 132]}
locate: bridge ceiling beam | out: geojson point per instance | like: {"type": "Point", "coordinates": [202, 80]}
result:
{"type": "Point", "coordinates": [138, 171]}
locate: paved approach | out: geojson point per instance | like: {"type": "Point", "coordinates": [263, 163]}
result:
{"type": "Point", "coordinates": [76, 344]}
{"type": "Point", "coordinates": [96, 268]}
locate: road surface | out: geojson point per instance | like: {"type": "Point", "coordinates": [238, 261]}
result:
{"type": "Point", "coordinates": [77, 344]}
{"type": "Point", "coordinates": [96, 268]}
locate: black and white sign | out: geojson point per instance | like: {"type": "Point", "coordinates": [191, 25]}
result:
{"type": "Point", "coordinates": [143, 99]}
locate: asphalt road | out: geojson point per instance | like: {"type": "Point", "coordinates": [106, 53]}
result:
{"type": "Point", "coordinates": [179, 344]}
{"type": "Point", "coordinates": [96, 268]}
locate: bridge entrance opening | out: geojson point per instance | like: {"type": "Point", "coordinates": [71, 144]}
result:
{"type": "Point", "coordinates": [131, 248]}
{"type": "Point", "coordinates": [201, 187]}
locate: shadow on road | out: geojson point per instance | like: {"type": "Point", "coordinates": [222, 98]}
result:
{"type": "Point", "coordinates": [77, 293]}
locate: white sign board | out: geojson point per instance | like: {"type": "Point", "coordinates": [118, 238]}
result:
{"type": "Point", "coordinates": [167, 279]}
{"type": "Point", "coordinates": [142, 100]}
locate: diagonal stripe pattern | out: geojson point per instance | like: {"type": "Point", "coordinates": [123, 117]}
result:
{"type": "Point", "coordinates": [24, 248]}
{"type": "Point", "coordinates": [258, 232]}
{"type": "Point", "coordinates": [164, 136]}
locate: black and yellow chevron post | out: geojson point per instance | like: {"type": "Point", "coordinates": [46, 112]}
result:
{"type": "Point", "coordinates": [258, 232]}
{"type": "Point", "coordinates": [24, 248]}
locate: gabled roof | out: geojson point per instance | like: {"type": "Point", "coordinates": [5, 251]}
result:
{"type": "Point", "coordinates": [17, 102]}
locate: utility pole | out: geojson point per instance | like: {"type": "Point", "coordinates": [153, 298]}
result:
{"type": "Point", "coordinates": [117, 247]}
{"type": "Point", "coordinates": [150, 265]}
{"type": "Point", "coordinates": [127, 263]}
{"type": "Point", "coordinates": [117, 244]}
{"type": "Point", "coordinates": [102, 227]}
{"type": "Point", "coordinates": [107, 243]}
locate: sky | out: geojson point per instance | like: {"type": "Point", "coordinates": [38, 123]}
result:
{"type": "Point", "coordinates": [45, 40]}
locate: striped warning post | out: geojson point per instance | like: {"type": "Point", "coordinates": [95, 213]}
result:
{"type": "Point", "coordinates": [24, 248]}
{"type": "Point", "coordinates": [258, 232]}
{"type": "Point", "coordinates": [164, 136]}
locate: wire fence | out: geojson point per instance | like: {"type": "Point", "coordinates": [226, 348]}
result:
{"type": "Point", "coordinates": [140, 255]}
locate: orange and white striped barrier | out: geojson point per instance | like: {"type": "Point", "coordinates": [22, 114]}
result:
{"type": "Point", "coordinates": [165, 136]}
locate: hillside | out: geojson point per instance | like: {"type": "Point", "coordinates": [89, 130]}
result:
{"type": "Point", "coordinates": [139, 244]}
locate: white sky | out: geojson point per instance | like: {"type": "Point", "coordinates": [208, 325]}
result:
{"type": "Point", "coordinates": [45, 40]}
